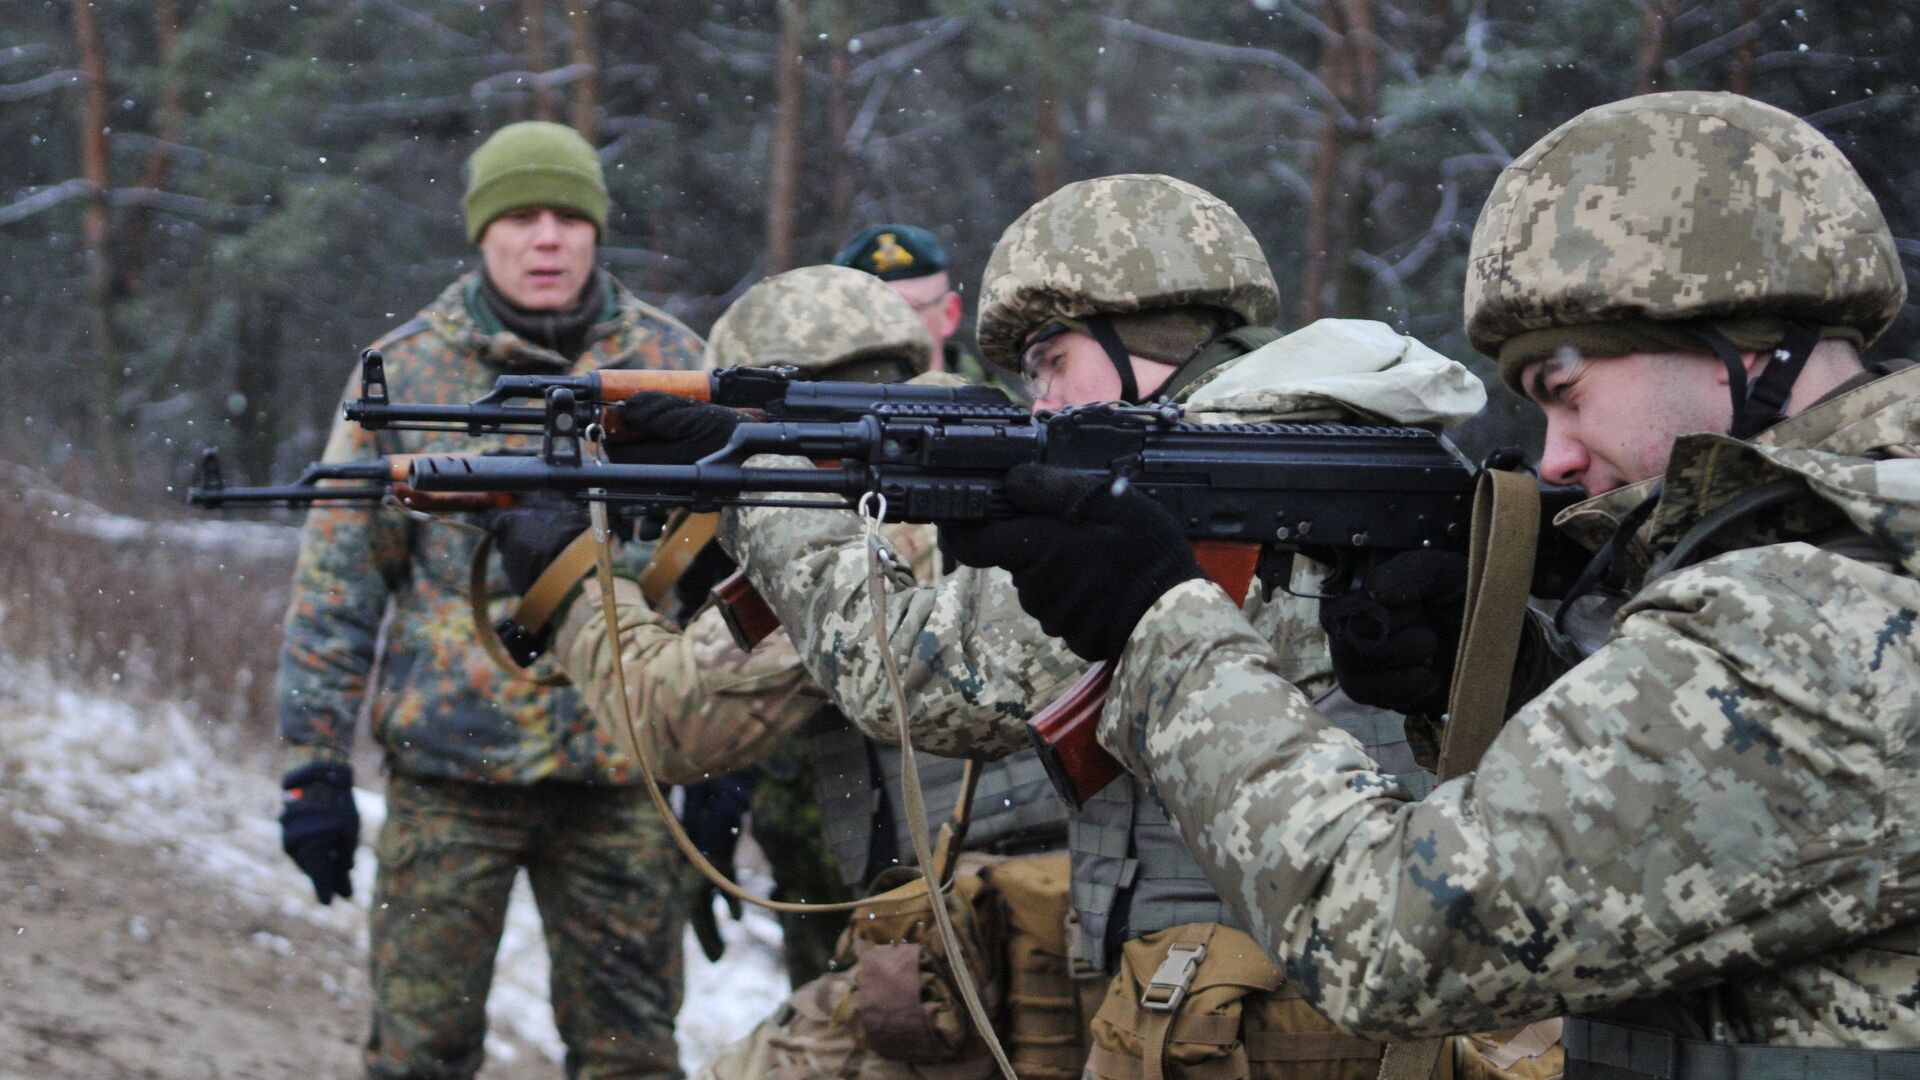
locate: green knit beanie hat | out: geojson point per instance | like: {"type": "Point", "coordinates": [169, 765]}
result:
{"type": "Point", "coordinates": [534, 163]}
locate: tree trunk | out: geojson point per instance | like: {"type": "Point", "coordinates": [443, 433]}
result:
{"type": "Point", "coordinates": [1047, 153]}
{"type": "Point", "coordinates": [1353, 283]}
{"type": "Point", "coordinates": [535, 30]}
{"type": "Point", "coordinates": [1740, 79]}
{"type": "Point", "coordinates": [784, 187]}
{"type": "Point", "coordinates": [840, 179]}
{"type": "Point", "coordinates": [137, 231]}
{"type": "Point", "coordinates": [1656, 21]}
{"type": "Point", "coordinates": [1337, 223]}
{"type": "Point", "coordinates": [95, 227]}
{"type": "Point", "coordinates": [96, 236]}
{"type": "Point", "coordinates": [586, 89]}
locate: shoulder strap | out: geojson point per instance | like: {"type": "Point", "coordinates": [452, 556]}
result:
{"type": "Point", "coordinates": [1505, 504]}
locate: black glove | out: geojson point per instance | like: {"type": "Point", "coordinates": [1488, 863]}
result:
{"type": "Point", "coordinates": [1393, 640]}
{"type": "Point", "coordinates": [532, 536]}
{"type": "Point", "coordinates": [1087, 563]}
{"type": "Point", "coordinates": [662, 429]}
{"type": "Point", "coordinates": [319, 826]}
{"type": "Point", "coordinates": [711, 811]}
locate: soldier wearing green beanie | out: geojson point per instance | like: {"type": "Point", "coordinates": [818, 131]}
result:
{"type": "Point", "coordinates": [487, 775]}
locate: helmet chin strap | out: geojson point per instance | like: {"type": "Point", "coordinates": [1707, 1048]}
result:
{"type": "Point", "coordinates": [1103, 332]}
{"type": "Point", "coordinates": [1764, 404]}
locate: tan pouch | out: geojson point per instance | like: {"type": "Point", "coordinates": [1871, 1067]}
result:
{"type": "Point", "coordinates": [904, 1004]}
{"type": "Point", "coordinates": [1203, 1002]}
{"type": "Point", "coordinates": [1046, 1032]}
{"type": "Point", "coordinates": [1533, 1052]}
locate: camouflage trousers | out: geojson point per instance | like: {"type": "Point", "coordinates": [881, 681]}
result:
{"type": "Point", "coordinates": [602, 870]}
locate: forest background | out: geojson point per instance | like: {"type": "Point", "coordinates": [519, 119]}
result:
{"type": "Point", "coordinates": [208, 206]}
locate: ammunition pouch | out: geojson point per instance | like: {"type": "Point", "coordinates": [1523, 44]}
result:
{"type": "Point", "coordinates": [1203, 1002]}
{"type": "Point", "coordinates": [904, 1004]}
{"type": "Point", "coordinates": [1046, 1029]}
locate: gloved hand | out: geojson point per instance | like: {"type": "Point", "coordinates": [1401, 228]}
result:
{"type": "Point", "coordinates": [530, 537]}
{"type": "Point", "coordinates": [319, 826]}
{"type": "Point", "coordinates": [663, 429]}
{"type": "Point", "coordinates": [1393, 640]}
{"type": "Point", "coordinates": [712, 812]}
{"type": "Point", "coordinates": [1087, 563]}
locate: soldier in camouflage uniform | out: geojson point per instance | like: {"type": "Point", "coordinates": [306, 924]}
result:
{"type": "Point", "coordinates": [1090, 322]}
{"type": "Point", "coordinates": [488, 774]}
{"type": "Point", "coordinates": [1702, 840]}
{"type": "Point", "coordinates": [704, 706]}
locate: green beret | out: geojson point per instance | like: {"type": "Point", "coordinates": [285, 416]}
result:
{"type": "Point", "coordinates": [891, 252]}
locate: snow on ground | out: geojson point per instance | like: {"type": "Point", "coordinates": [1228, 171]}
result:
{"type": "Point", "coordinates": [163, 779]}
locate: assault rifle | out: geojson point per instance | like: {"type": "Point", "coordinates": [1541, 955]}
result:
{"type": "Point", "coordinates": [1249, 495]}
{"type": "Point", "coordinates": [568, 404]}
{"type": "Point", "coordinates": [337, 482]}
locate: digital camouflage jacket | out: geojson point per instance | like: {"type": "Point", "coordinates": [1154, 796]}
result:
{"type": "Point", "coordinates": [1722, 803]}
{"type": "Point", "coordinates": [440, 708]}
{"type": "Point", "coordinates": [703, 705]}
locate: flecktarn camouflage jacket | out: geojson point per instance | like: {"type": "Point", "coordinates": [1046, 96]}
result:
{"type": "Point", "coordinates": [440, 708]}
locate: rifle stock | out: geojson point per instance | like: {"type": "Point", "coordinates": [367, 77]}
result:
{"type": "Point", "coordinates": [744, 610]}
{"type": "Point", "coordinates": [1065, 732]}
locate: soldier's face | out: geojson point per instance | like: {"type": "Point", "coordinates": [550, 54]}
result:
{"type": "Point", "coordinates": [539, 257]}
{"type": "Point", "coordinates": [1612, 421]}
{"type": "Point", "coordinates": [1070, 368]}
{"type": "Point", "coordinates": [933, 299]}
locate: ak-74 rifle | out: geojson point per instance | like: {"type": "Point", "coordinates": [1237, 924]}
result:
{"type": "Point", "coordinates": [372, 481]}
{"type": "Point", "coordinates": [566, 405]}
{"type": "Point", "coordinates": [1250, 496]}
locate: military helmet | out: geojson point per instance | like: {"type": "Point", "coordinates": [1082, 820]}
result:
{"type": "Point", "coordinates": [1674, 208]}
{"type": "Point", "coordinates": [815, 318]}
{"type": "Point", "coordinates": [1118, 245]}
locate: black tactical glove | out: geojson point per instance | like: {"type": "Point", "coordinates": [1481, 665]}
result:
{"type": "Point", "coordinates": [662, 429]}
{"type": "Point", "coordinates": [531, 537]}
{"type": "Point", "coordinates": [319, 826]}
{"type": "Point", "coordinates": [1394, 639]}
{"type": "Point", "coordinates": [1087, 563]}
{"type": "Point", "coordinates": [712, 811]}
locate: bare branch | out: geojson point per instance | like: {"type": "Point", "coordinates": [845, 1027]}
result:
{"type": "Point", "coordinates": [1236, 54]}
{"type": "Point", "coordinates": [44, 199]}
{"type": "Point", "coordinates": [1840, 114]}
{"type": "Point", "coordinates": [445, 34]}
{"type": "Point", "coordinates": [52, 80]}
{"type": "Point", "coordinates": [13, 54]}
{"type": "Point", "coordinates": [905, 56]}
{"type": "Point", "coordinates": [1715, 48]}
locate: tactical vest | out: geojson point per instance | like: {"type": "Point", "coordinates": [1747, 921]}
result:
{"type": "Point", "coordinates": [1133, 874]}
{"type": "Point", "coordinates": [1014, 809]}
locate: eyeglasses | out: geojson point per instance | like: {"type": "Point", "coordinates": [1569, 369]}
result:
{"type": "Point", "coordinates": [1041, 361]}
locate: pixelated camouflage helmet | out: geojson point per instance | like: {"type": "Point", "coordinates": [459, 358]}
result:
{"type": "Point", "coordinates": [816, 318]}
{"type": "Point", "coordinates": [1117, 245]}
{"type": "Point", "coordinates": [1677, 207]}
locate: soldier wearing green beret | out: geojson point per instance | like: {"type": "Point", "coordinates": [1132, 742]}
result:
{"type": "Point", "coordinates": [913, 263]}
{"type": "Point", "coordinates": [487, 775]}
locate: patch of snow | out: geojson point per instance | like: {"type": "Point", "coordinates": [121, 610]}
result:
{"type": "Point", "coordinates": [159, 778]}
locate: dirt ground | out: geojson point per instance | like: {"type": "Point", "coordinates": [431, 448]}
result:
{"type": "Point", "coordinates": [116, 963]}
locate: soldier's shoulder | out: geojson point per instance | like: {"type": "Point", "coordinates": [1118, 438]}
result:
{"type": "Point", "coordinates": [654, 338]}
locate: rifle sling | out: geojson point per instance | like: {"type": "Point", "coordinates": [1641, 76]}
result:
{"type": "Point", "coordinates": [533, 610]}
{"type": "Point", "coordinates": [687, 536]}
{"type": "Point", "coordinates": [1505, 504]}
